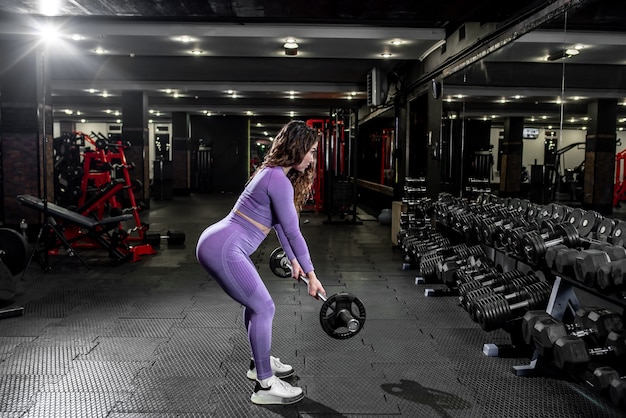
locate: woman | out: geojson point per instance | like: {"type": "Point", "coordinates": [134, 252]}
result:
{"type": "Point", "coordinates": [272, 198]}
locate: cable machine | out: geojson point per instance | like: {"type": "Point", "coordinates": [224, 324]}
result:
{"type": "Point", "coordinates": [334, 190]}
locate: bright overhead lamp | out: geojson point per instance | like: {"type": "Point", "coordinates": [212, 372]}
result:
{"type": "Point", "coordinates": [291, 47]}
{"type": "Point", "coordinates": [386, 54]}
{"type": "Point", "coordinates": [562, 54]}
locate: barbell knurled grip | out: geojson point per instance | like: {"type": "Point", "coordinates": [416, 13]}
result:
{"type": "Point", "coordinates": [306, 280]}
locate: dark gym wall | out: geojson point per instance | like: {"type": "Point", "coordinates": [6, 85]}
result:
{"type": "Point", "coordinates": [229, 139]}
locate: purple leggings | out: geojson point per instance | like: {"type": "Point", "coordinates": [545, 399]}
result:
{"type": "Point", "coordinates": [224, 251]}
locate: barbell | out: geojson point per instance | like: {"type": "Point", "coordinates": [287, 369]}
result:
{"type": "Point", "coordinates": [342, 315]}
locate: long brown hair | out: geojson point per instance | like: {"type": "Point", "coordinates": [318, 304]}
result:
{"type": "Point", "coordinates": [289, 148]}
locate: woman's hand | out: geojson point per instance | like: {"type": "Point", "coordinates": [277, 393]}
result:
{"type": "Point", "coordinates": [296, 269]}
{"type": "Point", "coordinates": [315, 286]}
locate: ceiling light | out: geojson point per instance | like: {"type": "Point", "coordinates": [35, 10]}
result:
{"type": "Point", "coordinates": [386, 54]}
{"type": "Point", "coordinates": [184, 39]}
{"type": "Point", "coordinates": [100, 51]}
{"type": "Point", "coordinates": [197, 52]}
{"type": "Point", "coordinates": [49, 7]}
{"type": "Point", "coordinates": [291, 47]}
{"type": "Point", "coordinates": [562, 54]}
{"type": "Point", "coordinates": [396, 42]}
{"type": "Point", "coordinates": [77, 37]}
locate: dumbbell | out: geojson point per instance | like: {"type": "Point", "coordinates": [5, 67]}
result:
{"type": "Point", "coordinates": [572, 353]}
{"type": "Point", "coordinates": [551, 254]}
{"type": "Point", "coordinates": [543, 330]}
{"type": "Point", "coordinates": [173, 237]}
{"type": "Point", "coordinates": [446, 270]}
{"type": "Point", "coordinates": [510, 288]}
{"type": "Point", "coordinates": [602, 378]}
{"type": "Point", "coordinates": [535, 245]}
{"type": "Point", "coordinates": [493, 311]}
{"type": "Point", "coordinates": [610, 276]}
{"type": "Point", "coordinates": [518, 288]}
{"type": "Point", "coordinates": [617, 391]}
{"type": "Point", "coordinates": [468, 289]}
{"type": "Point", "coordinates": [588, 262]}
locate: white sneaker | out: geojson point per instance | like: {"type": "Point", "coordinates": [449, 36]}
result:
{"type": "Point", "coordinates": [277, 393]}
{"type": "Point", "coordinates": [279, 369]}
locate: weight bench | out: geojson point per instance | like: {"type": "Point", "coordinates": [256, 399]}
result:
{"type": "Point", "coordinates": [96, 230]}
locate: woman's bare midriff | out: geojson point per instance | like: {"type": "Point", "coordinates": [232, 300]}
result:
{"type": "Point", "coordinates": [265, 229]}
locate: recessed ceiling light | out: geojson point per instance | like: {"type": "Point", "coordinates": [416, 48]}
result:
{"type": "Point", "coordinates": [386, 54]}
{"type": "Point", "coordinates": [397, 42]}
{"type": "Point", "coordinates": [77, 37]}
{"type": "Point", "coordinates": [197, 52]}
{"type": "Point", "coordinates": [100, 51]}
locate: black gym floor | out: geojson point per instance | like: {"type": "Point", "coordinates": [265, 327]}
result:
{"type": "Point", "coordinates": [158, 338]}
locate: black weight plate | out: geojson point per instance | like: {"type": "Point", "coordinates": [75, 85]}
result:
{"type": "Point", "coordinates": [589, 223]}
{"type": "Point", "coordinates": [175, 237]}
{"type": "Point", "coordinates": [618, 236]}
{"type": "Point", "coordinates": [605, 229]}
{"type": "Point", "coordinates": [279, 263]}
{"type": "Point", "coordinates": [335, 312]}
{"type": "Point", "coordinates": [558, 212]}
{"type": "Point", "coordinates": [13, 250]}
{"type": "Point", "coordinates": [575, 216]}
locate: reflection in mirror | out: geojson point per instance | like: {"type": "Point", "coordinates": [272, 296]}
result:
{"type": "Point", "coordinates": [549, 78]}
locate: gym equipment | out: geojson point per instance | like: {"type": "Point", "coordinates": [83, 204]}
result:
{"type": "Point", "coordinates": [589, 322]}
{"type": "Point", "coordinates": [571, 352]}
{"type": "Point", "coordinates": [95, 230]}
{"type": "Point", "coordinates": [610, 277]}
{"type": "Point", "coordinates": [173, 237]}
{"type": "Point", "coordinates": [494, 311]}
{"type": "Point", "coordinates": [535, 245]}
{"type": "Point", "coordinates": [342, 315]}
{"type": "Point", "coordinates": [602, 378]}
{"type": "Point", "coordinates": [14, 257]}
{"type": "Point", "coordinates": [279, 263]}
{"type": "Point", "coordinates": [617, 390]}
{"type": "Point", "coordinates": [507, 284]}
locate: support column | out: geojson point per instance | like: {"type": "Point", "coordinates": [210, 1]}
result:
{"type": "Point", "coordinates": [181, 156]}
{"type": "Point", "coordinates": [135, 131]}
{"type": "Point", "coordinates": [25, 130]}
{"type": "Point", "coordinates": [600, 156]}
{"type": "Point", "coordinates": [511, 154]}
{"type": "Point", "coordinates": [435, 146]}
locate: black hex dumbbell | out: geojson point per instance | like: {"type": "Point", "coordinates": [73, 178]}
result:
{"type": "Point", "coordinates": [572, 353]}
{"type": "Point", "coordinates": [542, 330]}
{"type": "Point", "coordinates": [589, 261]}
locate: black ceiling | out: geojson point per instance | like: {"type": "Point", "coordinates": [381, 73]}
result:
{"type": "Point", "coordinates": [339, 42]}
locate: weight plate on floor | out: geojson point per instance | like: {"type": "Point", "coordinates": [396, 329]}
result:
{"type": "Point", "coordinates": [13, 250]}
{"type": "Point", "coordinates": [279, 263]}
{"type": "Point", "coordinates": [342, 316]}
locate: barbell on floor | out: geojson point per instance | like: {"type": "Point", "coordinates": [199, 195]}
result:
{"type": "Point", "coordinates": [342, 315]}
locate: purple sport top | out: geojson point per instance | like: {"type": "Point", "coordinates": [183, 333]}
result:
{"type": "Point", "coordinates": [268, 199]}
